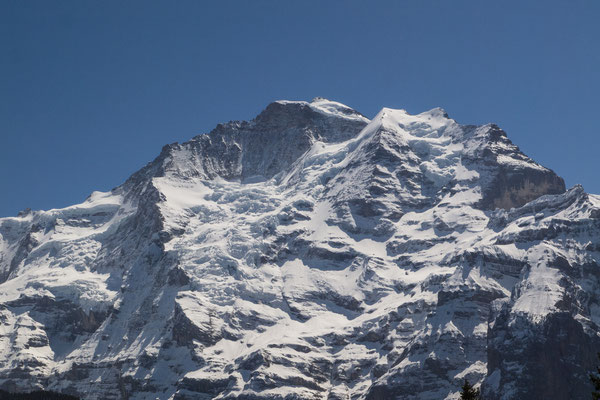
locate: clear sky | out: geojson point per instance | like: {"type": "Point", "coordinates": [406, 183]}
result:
{"type": "Point", "coordinates": [91, 90]}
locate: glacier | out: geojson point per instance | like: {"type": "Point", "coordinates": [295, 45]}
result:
{"type": "Point", "coordinates": [311, 253]}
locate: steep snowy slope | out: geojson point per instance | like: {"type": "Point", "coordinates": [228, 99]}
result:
{"type": "Point", "coordinates": [311, 254]}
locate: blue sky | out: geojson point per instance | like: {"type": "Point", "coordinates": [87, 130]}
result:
{"type": "Point", "coordinates": [91, 90]}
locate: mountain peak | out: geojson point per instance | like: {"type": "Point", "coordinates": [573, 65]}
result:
{"type": "Point", "coordinates": [323, 106]}
{"type": "Point", "coordinates": [436, 112]}
{"type": "Point", "coordinates": [310, 253]}
{"type": "Point", "coordinates": [434, 119]}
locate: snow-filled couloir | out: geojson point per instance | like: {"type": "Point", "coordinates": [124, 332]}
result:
{"type": "Point", "coordinates": [311, 253]}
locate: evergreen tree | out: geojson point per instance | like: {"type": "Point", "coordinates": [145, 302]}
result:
{"type": "Point", "coordinates": [595, 378]}
{"type": "Point", "coordinates": [469, 392]}
{"type": "Point", "coordinates": [37, 395]}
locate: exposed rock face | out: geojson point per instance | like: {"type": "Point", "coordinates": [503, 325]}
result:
{"type": "Point", "coordinates": [259, 149]}
{"type": "Point", "coordinates": [512, 178]}
{"type": "Point", "coordinates": [517, 190]}
{"type": "Point", "coordinates": [311, 254]}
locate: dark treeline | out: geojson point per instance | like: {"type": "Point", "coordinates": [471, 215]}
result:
{"type": "Point", "coordinates": [37, 395]}
{"type": "Point", "coordinates": [468, 392]}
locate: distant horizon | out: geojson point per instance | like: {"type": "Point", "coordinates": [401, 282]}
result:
{"type": "Point", "coordinates": [92, 91]}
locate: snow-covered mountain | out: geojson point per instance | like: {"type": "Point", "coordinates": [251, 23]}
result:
{"type": "Point", "coordinates": [311, 254]}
